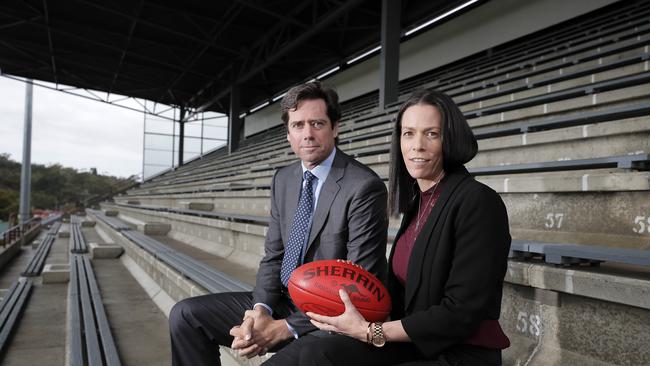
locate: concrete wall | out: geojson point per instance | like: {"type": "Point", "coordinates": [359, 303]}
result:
{"type": "Point", "coordinates": [9, 251]}
{"type": "Point", "coordinates": [575, 316]}
{"type": "Point", "coordinates": [262, 119]}
{"type": "Point", "coordinates": [487, 26]}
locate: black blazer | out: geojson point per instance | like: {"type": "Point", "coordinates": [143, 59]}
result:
{"type": "Point", "coordinates": [456, 270]}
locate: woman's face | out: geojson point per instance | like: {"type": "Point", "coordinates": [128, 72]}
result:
{"type": "Point", "coordinates": [421, 143]}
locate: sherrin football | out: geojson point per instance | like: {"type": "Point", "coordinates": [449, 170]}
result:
{"type": "Point", "coordinates": [314, 287]}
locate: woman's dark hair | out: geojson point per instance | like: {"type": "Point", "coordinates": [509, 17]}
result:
{"type": "Point", "coordinates": [307, 91]}
{"type": "Point", "coordinates": [458, 145]}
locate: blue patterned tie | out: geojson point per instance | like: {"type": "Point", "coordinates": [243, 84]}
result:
{"type": "Point", "coordinates": [299, 229]}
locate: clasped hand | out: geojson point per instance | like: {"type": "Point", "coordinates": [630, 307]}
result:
{"type": "Point", "coordinates": [258, 333]}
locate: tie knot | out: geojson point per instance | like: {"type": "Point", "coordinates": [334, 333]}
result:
{"type": "Point", "coordinates": [309, 177]}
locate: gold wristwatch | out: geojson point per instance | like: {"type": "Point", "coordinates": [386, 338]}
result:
{"type": "Point", "coordinates": [375, 334]}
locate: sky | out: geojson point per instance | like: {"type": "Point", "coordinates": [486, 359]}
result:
{"type": "Point", "coordinates": [72, 131]}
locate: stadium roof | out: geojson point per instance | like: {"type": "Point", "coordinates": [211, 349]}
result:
{"type": "Point", "coordinates": [189, 53]}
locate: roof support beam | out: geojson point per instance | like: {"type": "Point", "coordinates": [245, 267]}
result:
{"type": "Point", "coordinates": [20, 22]}
{"type": "Point", "coordinates": [216, 32]}
{"type": "Point", "coordinates": [160, 27]}
{"type": "Point", "coordinates": [49, 39]}
{"type": "Point", "coordinates": [389, 57]}
{"type": "Point", "coordinates": [153, 60]}
{"type": "Point", "coordinates": [36, 54]}
{"type": "Point", "coordinates": [272, 13]}
{"type": "Point", "coordinates": [134, 22]}
{"type": "Point", "coordinates": [275, 55]}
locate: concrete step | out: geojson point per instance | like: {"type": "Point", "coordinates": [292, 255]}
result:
{"type": "Point", "coordinates": [514, 78]}
{"type": "Point", "coordinates": [616, 219]}
{"type": "Point", "coordinates": [582, 142]}
{"type": "Point", "coordinates": [40, 335]}
{"type": "Point", "coordinates": [599, 180]}
{"type": "Point", "coordinates": [550, 88]}
{"type": "Point", "coordinates": [139, 327]}
{"type": "Point", "coordinates": [563, 106]}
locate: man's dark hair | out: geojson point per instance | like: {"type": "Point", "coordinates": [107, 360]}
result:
{"type": "Point", "coordinates": [458, 145]}
{"type": "Point", "coordinates": [307, 91]}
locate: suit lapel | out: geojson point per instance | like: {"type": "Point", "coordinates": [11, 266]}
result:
{"type": "Point", "coordinates": [327, 194]}
{"type": "Point", "coordinates": [294, 186]}
{"type": "Point", "coordinates": [423, 243]}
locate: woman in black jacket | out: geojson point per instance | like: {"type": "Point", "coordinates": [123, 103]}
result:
{"type": "Point", "coordinates": [447, 262]}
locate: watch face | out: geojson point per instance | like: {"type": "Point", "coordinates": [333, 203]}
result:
{"type": "Point", "coordinates": [378, 341]}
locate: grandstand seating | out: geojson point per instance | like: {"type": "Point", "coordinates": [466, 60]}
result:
{"type": "Point", "coordinates": [91, 341]}
{"type": "Point", "coordinates": [77, 241]}
{"type": "Point", "coordinates": [16, 297]}
{"type": "Point", "coordinates": [561, 112]}
{"type": "Point", "coordinates": [50, 219]}
{"type": "Point", "coordinates": [11, 307]}
{"type": "Point", "coordinates": [35, 266]}
{"type": "Point", "coordinates": [574, 254]}
{"type": "Point", "coordinates": [209, 278]}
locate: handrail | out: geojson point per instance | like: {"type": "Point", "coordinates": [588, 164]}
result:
{"type": "Point", "coordinates": [16, 232]}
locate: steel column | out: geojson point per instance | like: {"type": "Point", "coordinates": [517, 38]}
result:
{"type": "Point", "coordinates": [26, 172]}
{"type": "Point", "coordinates": [181, 136]}
{"type": "Point", "coordinates": [234, 122]}
{"type": "Point", "coordinates": [389, 58]}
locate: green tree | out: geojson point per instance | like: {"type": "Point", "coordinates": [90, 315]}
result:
{"type": "Point", "coordinates": [8, 203]}
{"type": "Point", "coordinates": [53, 186]}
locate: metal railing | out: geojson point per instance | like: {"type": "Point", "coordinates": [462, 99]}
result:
{"type": "Point", "coordinates": [16, 232]}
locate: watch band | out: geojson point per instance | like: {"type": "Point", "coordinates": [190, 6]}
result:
{"type": "Point", "coordinates": [377, 338]}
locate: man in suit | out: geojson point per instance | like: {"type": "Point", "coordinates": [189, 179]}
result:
{"type": "Point", "coordinates": [325, 206]}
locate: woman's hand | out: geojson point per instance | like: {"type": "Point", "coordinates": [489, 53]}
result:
{"type": "Point", "coordinates": [351, 323]}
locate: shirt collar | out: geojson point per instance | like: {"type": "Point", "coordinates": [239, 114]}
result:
{"type": "Point", "coordinates": [322, 170]}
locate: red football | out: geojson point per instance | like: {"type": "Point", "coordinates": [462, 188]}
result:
{"type": "Point", "coordinates": [315, 287]}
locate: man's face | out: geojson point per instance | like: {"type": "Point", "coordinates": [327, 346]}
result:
{"type": "Point", "coordinates": [310, 132]}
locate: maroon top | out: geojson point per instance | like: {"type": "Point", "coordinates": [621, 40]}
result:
{"type": "Point", "coordinates": [406, 241]}
{"type": "Point", "coordinates": [489, 333]}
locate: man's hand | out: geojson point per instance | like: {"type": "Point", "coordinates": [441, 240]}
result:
{"type": "Point", "coordinates": [258, 333]}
